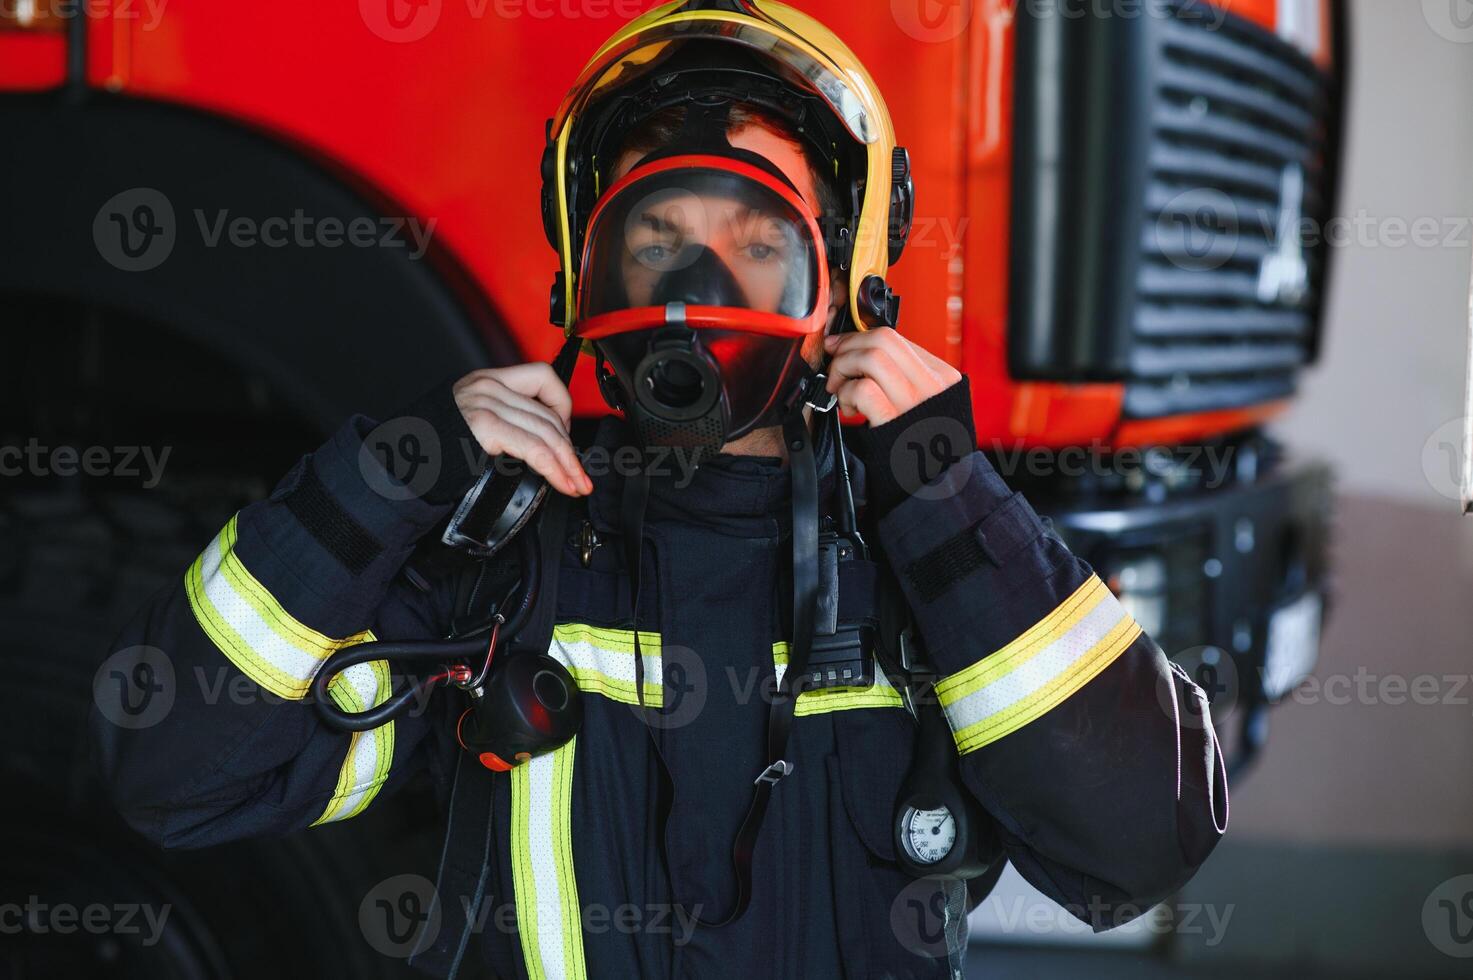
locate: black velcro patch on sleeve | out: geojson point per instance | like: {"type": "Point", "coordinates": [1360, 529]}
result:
{"type": "Point", "coordinates": [332, 526]}
{"type": "Point", "coordinates": [934, 572]}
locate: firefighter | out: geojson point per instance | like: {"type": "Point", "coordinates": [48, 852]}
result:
{"type": "Point", "coordinates": [724, 192]}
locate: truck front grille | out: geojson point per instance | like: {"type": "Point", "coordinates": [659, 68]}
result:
{"type": "Point", "coordinates": [1172, 176]}
{"type": "Point", "coordinates": [1227, 295]}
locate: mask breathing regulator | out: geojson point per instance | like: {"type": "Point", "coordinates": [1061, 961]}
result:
{"type": "Point", "coordinates": [694, 279]}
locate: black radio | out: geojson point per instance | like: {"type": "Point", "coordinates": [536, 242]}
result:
{"type": "Point", "coordinates": [843, 651]}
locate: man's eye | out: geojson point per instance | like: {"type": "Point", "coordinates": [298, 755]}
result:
{"type": "Point", "coordinates": [652, 253]}
{"type": "Point", "coordinates": [760, 252]}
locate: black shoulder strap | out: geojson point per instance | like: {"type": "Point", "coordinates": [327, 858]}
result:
{"type": "Point", "coordinates": [552, 536]}
{"type": "Point", "coordinates": [780, 712]}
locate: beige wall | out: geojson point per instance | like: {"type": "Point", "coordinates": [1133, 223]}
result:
{"type": "Point", "coordinates": [1385, 407]}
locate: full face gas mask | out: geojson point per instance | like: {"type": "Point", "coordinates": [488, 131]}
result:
{"type": "Point", "coordinates": [696, 277]}
{"type": "Point", "coordinates": [703, 275]}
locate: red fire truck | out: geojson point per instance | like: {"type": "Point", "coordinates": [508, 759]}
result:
{"type": "Point", "coordinates": [225, 227]}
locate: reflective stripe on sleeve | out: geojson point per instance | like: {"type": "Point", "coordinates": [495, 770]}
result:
{"type": "Point", "coordinates": [371, 753]}
{"type": "Point", "coordinates": [549, 918]}
{"type": "Point", "coordinates": [253, 629]}
{"type": "Point", "coordinates": [1040, 669]}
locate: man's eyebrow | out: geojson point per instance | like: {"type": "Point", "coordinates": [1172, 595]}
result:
{"type": "Point", "coordinates": [656, 222]}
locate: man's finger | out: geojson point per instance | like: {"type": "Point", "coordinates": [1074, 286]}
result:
{"type": "Point", "coordinates": [542, 458]}
{"type": "Point", "coordinates": [926, 373]}
{"type": "Point", "coordinates": [541, 382]}
{"type": "Point", "coordinates": [492, 424]}
{"type": "Point", "coordinates": [507, 396]}
{"type": "Point", "coordinates": [552, 436]}
{"type": "Point", "coordinates": [865, 397]}
{"type": "Point", "coordinates": [874, 364]}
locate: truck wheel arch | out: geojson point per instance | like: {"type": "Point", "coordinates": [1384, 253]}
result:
{"type": "Point", "coordinates": [335, 329]}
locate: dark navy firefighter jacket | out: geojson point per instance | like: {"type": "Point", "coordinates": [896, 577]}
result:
{"type": "Point", "coordinates": [1081, 740]}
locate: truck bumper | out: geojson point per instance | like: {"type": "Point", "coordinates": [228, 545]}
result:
{"type": "Point", "coordinates": [1232, 580]}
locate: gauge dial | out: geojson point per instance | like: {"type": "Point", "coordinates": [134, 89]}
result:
{"type": "Point", "coordinates": [928, 835]}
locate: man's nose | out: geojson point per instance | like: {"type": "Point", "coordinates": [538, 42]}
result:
{"type": "Point", "coordinates": [703, 281]}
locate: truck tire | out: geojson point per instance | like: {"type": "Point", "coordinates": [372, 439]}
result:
{"type": "Point", "coordinates": [80, 893]}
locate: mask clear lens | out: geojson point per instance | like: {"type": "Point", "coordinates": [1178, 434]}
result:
{"type": "Point", "coordinates": [702, 237]}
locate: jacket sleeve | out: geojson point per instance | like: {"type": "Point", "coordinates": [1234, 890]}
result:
{"type": "Point", "coordinates": [1095, 755]}
{"type": "Point", "coordinates": [201, 725]}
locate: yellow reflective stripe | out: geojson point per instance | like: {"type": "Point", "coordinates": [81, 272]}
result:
{"type": "Point", "coordinates": [846, 698]}
{"type": "Point", "coordinates": [250, 627]}
{"type": "Point", "coordinates": [544, 883]}
{"type": "Point", "coordinates": [523, 882]}
{"type": "Point", "coordinates": [601, 660]}
{"type": "Point", "coordinates": [825, 700]}
{"type": "Point", "coordinates": [614, 640]}
{"type": "Point", "coordinates": [370, 755]}
{"type": "Point", "coordinates": [562, 809]}
{"type": "Point", "coordinates": [1039, 670]}
{"type": "Point", "coordinates": [1059, 621]}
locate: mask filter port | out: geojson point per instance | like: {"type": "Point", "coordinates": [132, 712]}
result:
{"type": "Point", "coordinates": [677, 380]}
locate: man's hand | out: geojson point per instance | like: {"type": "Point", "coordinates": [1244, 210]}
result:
{"type": "Point", "coordinates": [524, 411]}
{"type": "Point", "coordinates": [881, 375]}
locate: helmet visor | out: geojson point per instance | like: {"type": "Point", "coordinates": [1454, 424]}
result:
{"type": "Point", "coordinates": [626, 59]}
{"type": "Point", "coordinates": [702, 241]}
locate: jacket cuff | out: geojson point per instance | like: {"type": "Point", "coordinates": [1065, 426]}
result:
{"type": "Point", "coordinates": [911, 450]}
{"type": "Point", "coordinates": [452, 444]}
{"type": "Point", "coordinates": [975, 561]}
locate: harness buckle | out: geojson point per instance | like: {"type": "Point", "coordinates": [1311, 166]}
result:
{"type": "Point", "coordinates": [774, 772]}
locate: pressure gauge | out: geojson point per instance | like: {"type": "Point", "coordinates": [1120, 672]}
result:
{"type": "Point", "coordinates": [927, 835]}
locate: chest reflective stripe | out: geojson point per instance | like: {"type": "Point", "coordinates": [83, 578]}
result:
{"type": "Point", "coordinates": [549, 917]}
{"type": "Point", "coordinates": [881, 695]}
{"type": "Point", "coordinates": [601, 660]}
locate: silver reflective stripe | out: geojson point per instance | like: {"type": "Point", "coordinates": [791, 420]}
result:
{"type": "Point", "coordinates": [601, 660]}
{"type": "Point", "coordinates": [549, 919]}
{"type": "Point", "coordinates": [370, 754]}
{"type": "Point", "coordinates": [1055, 658]}
{"type": "Point", "coordinates": [247, 623]}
